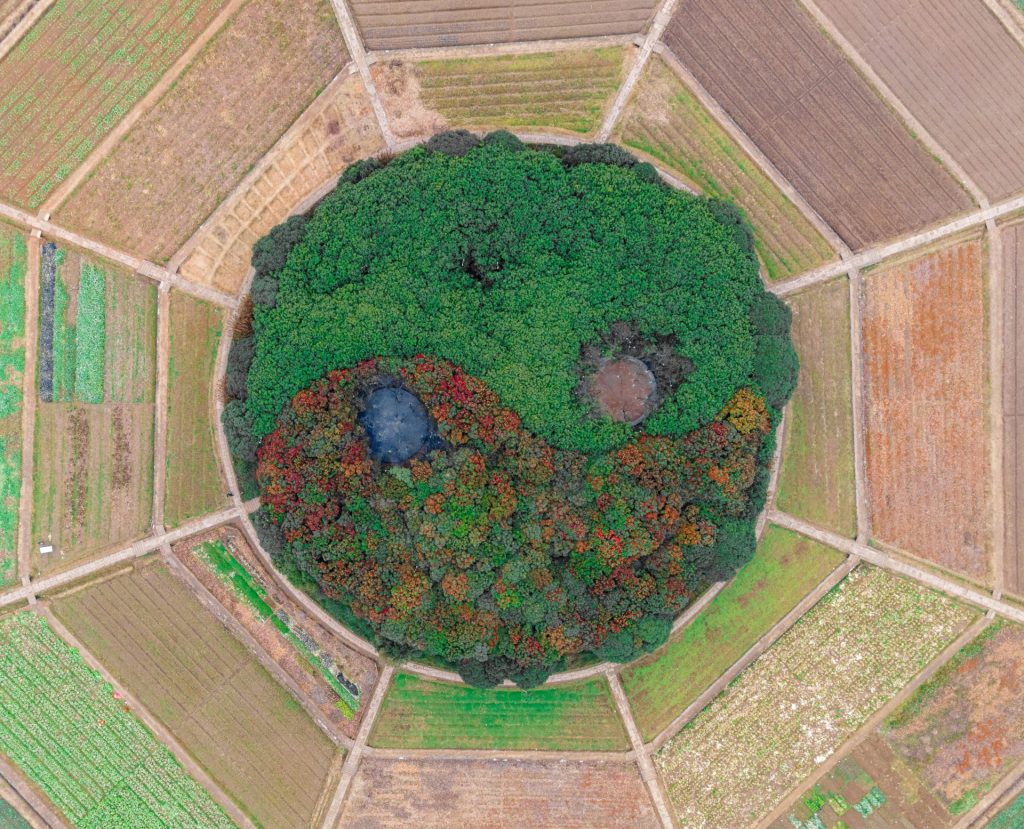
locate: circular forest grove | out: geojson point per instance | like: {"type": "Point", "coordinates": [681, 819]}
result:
{"type": "Point", "coordinates": [509, 409]}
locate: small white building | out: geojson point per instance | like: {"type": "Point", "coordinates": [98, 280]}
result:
{"type": "Point", "coordinates": [45, 548]}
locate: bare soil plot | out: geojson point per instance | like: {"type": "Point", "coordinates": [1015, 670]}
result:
{"type": "Point", "coordinates": [795, 705]}
{"type": "Point", "coordinates": [343, 129]}
{"type": "Point", "coordinates": [418, 23]}
{"type": "Point", "coordinates": [926, 427]}
{"type": "Point", "coordinates": [183, 156]}
{"type": "Point", "coordinates": [76, 74]}
{"type": "Point", "coordinates": [1013, 406]}
{"type": "Point", "coordinates": [249, 734]}
{"type": "Point", "coordinates": [421, 713]}
{"type": "Point", "coordinates": [561, 90]}
{"type": "Point", "coordinates": [666, 121]}
{"type": "Point", "coordinates": [194, 483]}
{"type": "Point", "coordinates": [511, 794]}
{"type": "Point", "coordinates": [957, 69]}
{"type": "Point", "coordinates": [790, 89]}
{"type": "Point", "coordinates": [13, 264]}
{"type": "Point", "coordinates": [358, 669]}
{"type": "Point", "coordinates": [817, 477]}
{"type": "Point", "coordinates": [785, 568]}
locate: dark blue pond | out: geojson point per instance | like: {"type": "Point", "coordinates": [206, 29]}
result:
{"type": "Point", "coordinates": [396, 423]}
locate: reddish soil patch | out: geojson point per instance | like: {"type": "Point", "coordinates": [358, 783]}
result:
{"type": "Point", "coordinates": [624, 389]}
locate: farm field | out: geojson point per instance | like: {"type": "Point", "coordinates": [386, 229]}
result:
{"type": "Point", "coordinates": [955, 67]}
{"type": "Point", "coordinates": [790, 89]}
{"type": "Point", "coordinates": [11, 13]}
{"type": "Point", "coordinates": [565, 90]}
{"type": "Point", "coordinates": [343, 130]}
{"type": "Point", "coordinates": [420, 713]}
{"type": "Point", "coordinates": [13, 264]}
{"type": "Point", "coordinates": [240, 94]}
{"type": "Point", "coordinates": [337, 702]}
{"type": "Point", "coordinates": [926, 426]}
{"type": "Point", "coordinates": [816, 482]}
{"type": "Point", "coordinates": [95, 761]}
{"type": "Point", "coordinates": [58, 100]}
{"type": "Point", "coordinates": [207, 689]}
{"type": "Point", "coordinates": [93, 470]}
{"type": "Point", "coordinates": [1011, 817]}
{"type": "Point", "coordinates": [194, 484]}
{"type": "Point", "coordinates": [421, 23]}
{"type": "Point", "coordinates": [1013, 406]}
{"type": "Point", "coordinates": [785, 568]}
{"type": "Point", "coordinates": [666, 121]}
{"type": "Point", "coordinates": [796, 704]}
{"type": "Point", "coordinates": [516, 794]}
{"type": "Point", "coordinates": [9, 817]}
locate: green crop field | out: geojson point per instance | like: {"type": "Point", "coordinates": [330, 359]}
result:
{"type": "Point", "coordinates": [667, 122]}
{"type": "Point", "coordinates": [64, 728]}
{"type": "Point", "coordinates": [420, 713]}
{"type": "Point", "coordinates": [785, 568]}
{"type": "Point", "coordinates": [13, 260]}
{"type": "Point", "coordinates": [1012, 817]}
{"type": "Point", "coordinates": [9, 817]}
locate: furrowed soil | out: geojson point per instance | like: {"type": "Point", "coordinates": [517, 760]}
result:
{"type": "Point", "coordinates": [420, 23]}
{"type": "Point", "coordinates": [194, 484]}
{"type": "Point", "coordinates": [12, 12]}
{"type": "Point", "coordinates": [206, 688]}
{"type": "Point", "coordinates": [13, 264]}
{"type": "Point", "coordinates": [790, 89]}
{"type": "Point", "coordinates": [75, 75]}
{"type": "Point", "coordinates": [1013, 406]}
{"type": "Point", "coordinates": [785, 568]}
{"type": "Point", "coordinates": [926, 422]}
{"type": "Point", "coordinates": [421, 713]}
{"type": "Point", "coordinates": [665, 121]}
{"type": "Point", "coordinates": [512, 794]}
{"type": "Point", "coordinates": [234, 101]}
{"type": "Point", "coordinates": [957, 69]}
{"type": "Point", "coordinates": [817, 477]}
{"type": "Point", "coordinates": [342, 130]}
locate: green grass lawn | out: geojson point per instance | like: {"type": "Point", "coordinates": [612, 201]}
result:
{"type": "Point", "coordinates": [419, 713]}
{"type": "Point", "coordinates": [786, 568]}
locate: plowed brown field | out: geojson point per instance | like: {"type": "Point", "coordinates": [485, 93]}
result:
{"type": "Point", "coordinates": [1013, 406]}
{"type": "Point", "coordinates": [925, 375]}
{"type": "Point", "coordinates": [790, 89]}
{"type": "Point", "coordinates": [386, 24]}
{"type": "Point", "coordinates": [439, 794]}
{"type": "Point", "coordinates": [957, 69]}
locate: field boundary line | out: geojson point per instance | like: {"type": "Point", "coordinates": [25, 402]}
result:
{"type": "Point", "coordinates": [996, 488]}
{"type": "Point", "coordinates": [773, 475]}
{"type": "Point", "coordinates": [661, 20]}
{"type": "Point", "coordinates": [28, 409]}
{"type": "Point", "coordinates": [356, 51]}
{"type": "Point", "coordinates": [648, 773]}
{"type": "Point", "coordinates": [348, 771]}
{"type": "Point", "coordinates": [47, 816]}
{"type": "Point", "coordinates": [1009, 19]}
{"type": "Point", "coordinates": [439, 754]}
{"type": "Point", "coordinates": [22, 27]}
{"type": "Point", "coordinates": [919, 130]}
{"type": "Point", "coordinates": [99, 153]}
{"type": "Point", "coordinates": [238, 631]}
{"type": "Point", "coordinates": [128, 260]}
{"type": "Point", "coordinates": [490, 50]}
{"type": "Point", "coordinates": [875, 720]}
{"type": "Point", "coordinates": [160, 732]}
{"type": "Point", "coordinates": [316, 107]}
{"type": "Point", "coordinates": [776, 632]}
{"type": "Point", "coordinates": [1002, 795]}
{"type": "Point", "coordinates": [860, 476]}
{"type": "Point", "coordinates": [896, 564]}
{"type": "Point", "coordinates": [160, 412]}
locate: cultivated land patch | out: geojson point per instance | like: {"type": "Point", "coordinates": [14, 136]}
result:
{"type": "Point", "coordinates": [1013, 405]}
{"type": "Point", "coordinates": [1011, 817]}
{"type": "Point", "coordinates": [421, 713]}
{"type": "Point", "coordinates": [790, 89]}
{"type": "Point", "coordinates": [93, 474]}
{"type": "Point", "coordinates": [58, 99]}
{"type": "Point", "coordinates": [814, 688]}
{"type": "Point", "coordinates": [956, 68]}
{"type": "Point", "coordinates": [10, 818]}
{"type": "Point", "coordinates": [67, 731]}
{"type": "Point", "coordinates": [785, 568]}
{"type": "Point", "coordinates": [342, 130]}
{"type": "Point", "coordinates": [665, 120]}
{"type": "Point", "coordinates": [555, 90]}
{"type": "Point", "coordinates": [926, 427]}
{"type": "Point", "coordinates": [13, 262]}
{"type": "Point", "coordinates": [817, 478]}
{"type": "Point", "coordinates": [194, 485]}
{"type": "Point", "coordinates": [419, 23]}
{"type": "Point", "coordinates": [183, 156]}
{"type": "Point", "coordinates": [513, 794]}
{"type": "Point", "coordinates": [249, 734]}
{"type": "Point", "coordinates": [12, 12]}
